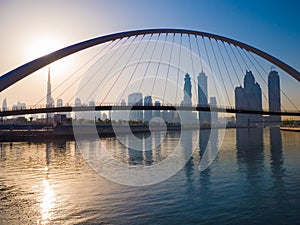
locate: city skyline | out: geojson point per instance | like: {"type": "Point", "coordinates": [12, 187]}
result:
{"type": "Point", "coordinates": [262, 19]}
{"type": "Point", "coordinates": [247, 97]}
{"type": "Point", "coordinates": [149, 112]}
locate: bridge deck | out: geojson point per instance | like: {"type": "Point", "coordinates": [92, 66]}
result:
{"type": "Point", "coordinates": [122, 108]}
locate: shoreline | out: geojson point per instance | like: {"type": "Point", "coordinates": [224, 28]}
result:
{"type": "Point", "coordinates": [66, 131]}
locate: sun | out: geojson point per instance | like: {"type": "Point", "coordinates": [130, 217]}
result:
{"type": "Point", "coordinates": [43, 46]}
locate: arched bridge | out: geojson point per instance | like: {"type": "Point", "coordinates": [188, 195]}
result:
{"type": "Point", "coordinates": [219, 57]}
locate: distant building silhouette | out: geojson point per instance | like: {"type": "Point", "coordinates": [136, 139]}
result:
{"type": "Point", "coordinates": [135, 99]}
{"type": "Point", "coordinates": [187, 99]}
{"type": "Point", "coordinates": [78, 115]}
{"type": "Point", "coordinates": [248, 97]}
{"type": "Point", "coordinates": [123, 115]}
{"type": "Point", "coordinates": [214, 115]}
{"type": "Point", "coordinates": [4, 105]}
{"type": "Point", "coordinates": [204, 117]}
{"type": "Point", "coordinates": [49, 99]}
{"type": "Point", "coordinates": [187, 94]}
{"type": "Point", "coordinates": [274, 96]}
{"type": "Point", "coordinates": [148, 114]}
{"type": "Point", "coordinates": [156, 112]}
{"type": "Point", "coordinates": [116, 115]}
{"type": "Point", "coordinates": [77, 102]}
{"type": "Point", "coordinates": [123, 102]}
{"type": "Point", "coordinates": [59, 102]}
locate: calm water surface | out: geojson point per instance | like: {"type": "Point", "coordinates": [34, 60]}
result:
{"type": "Point", "coordinates": [255, 179]}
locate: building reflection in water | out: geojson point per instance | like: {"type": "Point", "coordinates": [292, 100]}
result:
{"type": "Point", "coordinates": [148, 158]}
{"type": "Point", "coordinates": [157, 147]}
{"type": "Point", "coordinates": [147, 149]}
{"type": "Point", "coordinates": [136, 153]}
{"type": "Point", "coordinates": [277, 163]}
{"type": "Point", "coordinates": [187, 148]}
{"type": "Point", "coordinates": [250, 150]}
{"type": "Point", "coordinates": [250, 160]}
{"type": "Point", "coordinates": [208, 147]}
{"type": "Point", "coordinates": [3, 151]}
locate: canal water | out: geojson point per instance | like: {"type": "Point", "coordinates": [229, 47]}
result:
{"type": "Point", "coordinates": [254, 179]}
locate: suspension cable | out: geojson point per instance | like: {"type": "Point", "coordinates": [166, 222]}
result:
{"type": "Point", "coordinates": [91, 77]}
{"type": "Point", "coordinates": [253, 64]}
{"type": "Point", "coordinates": [193, 69]}
{"type": "Point", "coordinates": [124, 67]}
{"type": "Point", "coordinates": [199, 53]}
{"type": "Point", "coordinates": [73, 74]}
{"type": "Point", "coordinates": [235, 72]}
{"type": "Point", "coordinates": [264, 96]}
{"type": "Point", "coordinates": [214, 81]}
{"type": "Point", "coordinates": [250, 106]}
{"type": "Point", "coordinates": [280, 88]}
{"type": "Point", "coordinates": [159, 64]}
{"type": "Point", "coordinates": [178, 68]}
{"type": "Point", "coordinates": [226, 68]}
{"type": "Point", "coordinates": [218, 66]}
{"type": "Point", "coordinates": [136, 66]}
{"type": "Point", "coordinates": [111, 68]}
{"type": "Point", "coordinates": [163, 100]}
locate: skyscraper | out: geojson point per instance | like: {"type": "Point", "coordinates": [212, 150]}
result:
{"type": "Point", "coordinates": [156, 112]}
{"type": "Point", "coordinates": [59, 102]}
{"type": "Point", "coordinates": [187, 94]}
{"type": "Point", "coordinates": [147, 113]}
{"type": "Point", "coordinates": [214, 115]}
{"type": "Point", "coordinates": [204, 117]}
{"type": "Point", "coordinates": [49, 99]}
{"type": "Point", "coordinates": [274, 96]}
{"type": "Point", "coordinates": [202, 89]}
{"type": "Point", "coordinates": [187, 100]}
{"type": "Point", "coordinates": [119, 115]}
{"type": "Point", "coordinates": [135, 99]}
{"type": "Point", "coordinates": [248, 97]}
{"type": "Point", "coordinates": [4, 105]}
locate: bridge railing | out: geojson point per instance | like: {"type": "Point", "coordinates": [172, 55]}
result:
{"type": "Point", "coordinates": [165, 106]}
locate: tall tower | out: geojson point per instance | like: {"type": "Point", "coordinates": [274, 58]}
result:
{"type": "Point", "coordinates": [49, 100]}
{"type": "Point", "coordinates": [4, 105]}
{"type": "Point", "coordinates": [214, 115]}
{"type": "Point", "coordinates": [135, 99]}
{"type": "Point", "coordinates": [187, 94]}
{"type": "Point", "coordinates": [248, 97]}
{"type": "Point", "coordinates": [204, 117]}
{"type": "Point", "coordinates": [274, 95]}
{"type": "Point", "coordinates": [187, 100]}
{"type": "Point", "coordinates": [148, 113]}
{"type": "Point", "coordinates": [202, 89]}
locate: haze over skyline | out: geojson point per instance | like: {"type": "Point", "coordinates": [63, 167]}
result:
{"type": "Point", "coordinates": [31, 28]}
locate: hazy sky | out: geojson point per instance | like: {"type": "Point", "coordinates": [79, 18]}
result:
{"type": "Point", "coordinates": [272, 26]}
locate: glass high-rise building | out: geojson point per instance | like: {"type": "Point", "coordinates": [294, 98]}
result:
{"type": "Point", "coordinates": [148, 114]}
{"type": "Point", "coordinates": [214, 115]}
{"type": "Point", "coordinates": [248, 97]}
{"type": "Point", "coordinates": [274, 96]}
{"type": "Point", "coordinates": [135, 99]}
{"type": "Point", "coordinates": [204, 117]}
{"type": "Point", "coordinates": [187, 94]}
{"type": "Point", "coordinates": [187, 100]}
